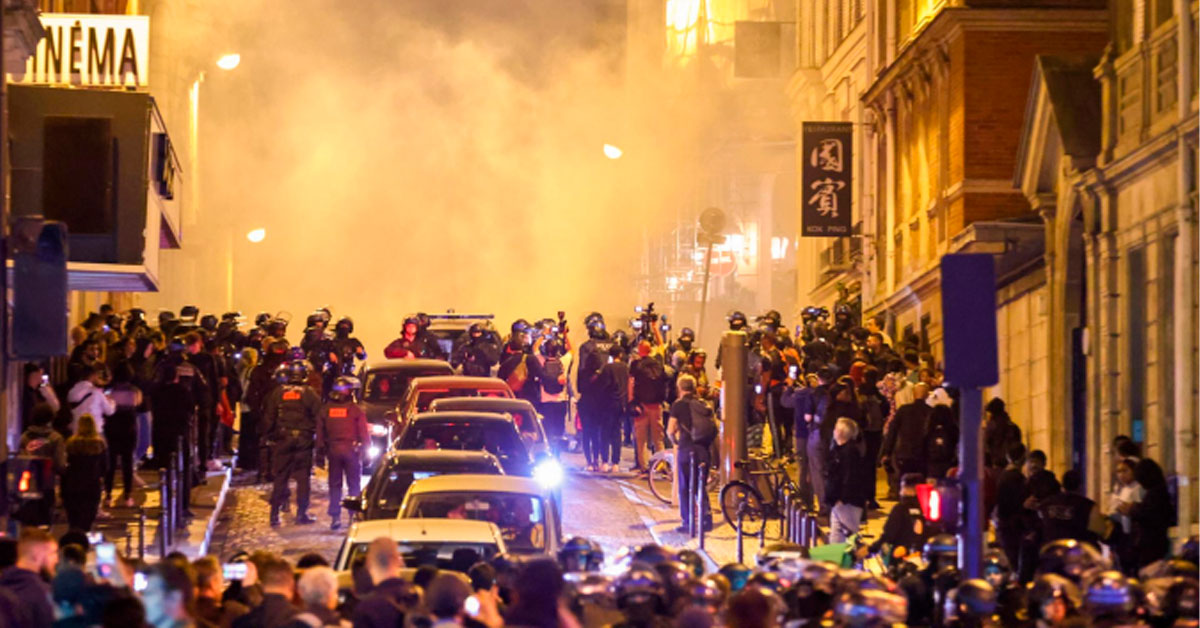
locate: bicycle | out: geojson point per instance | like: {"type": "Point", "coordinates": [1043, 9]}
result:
{"type": "Point", "coordinates": [661, 476]}
{"type": "Point", "coordinates": [756, 511]}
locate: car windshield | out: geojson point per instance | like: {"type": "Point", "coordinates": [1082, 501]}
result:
{"type": "Point", "coordinates": [391, 385]}
{"type": "Point", "coordinates": [445, 338]}
{"type": "Point", "coordinates": [429, 395]}
{"type": "Point", "coordinates": [520, 517]}
{"type": "Point", "coordinates": [499, 439]}
{"type": "Point", "coordinates": [454, 556]}
{"type": "Point", "coordinates": [390, 485]}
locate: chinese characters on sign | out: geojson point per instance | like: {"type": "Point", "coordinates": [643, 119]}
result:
{"type": "Point", "coordinates": [825, 187]}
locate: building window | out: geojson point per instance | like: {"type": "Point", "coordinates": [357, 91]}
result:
{"type": "Point", "coordinates": [1135, 365]}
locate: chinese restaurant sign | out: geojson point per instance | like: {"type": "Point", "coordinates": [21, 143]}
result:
{"type": "Point", "coordinates": [825, 183]}
{"type": "Point", "coordinates": [89, 50]}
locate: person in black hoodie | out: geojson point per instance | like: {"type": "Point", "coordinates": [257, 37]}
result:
{"type": "Point", "coordinates": [904, 443]}
{"type": "Point", "coordinates": [1151, 517]}
{"type": "Point", "coordinates": [845, 491]}
{"type": "Point", "coordinates": [613, 386]}
{"type": "Point", "coordinates": [29, 578]}
{"type": "Point", "coordinates": [120, 432]}
{"type": "Point", "coordinates": [83, 483]}
{"type": "Point", "coordinates": [41, 440]}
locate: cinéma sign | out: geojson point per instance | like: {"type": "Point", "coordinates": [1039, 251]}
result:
{"type": "Point", "coordinates": [825, 178]}
{"type": "Point", "coordinates": [90, 51]}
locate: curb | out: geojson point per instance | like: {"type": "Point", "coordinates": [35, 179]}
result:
{"type": "Point", "coordinates": [216, 514]}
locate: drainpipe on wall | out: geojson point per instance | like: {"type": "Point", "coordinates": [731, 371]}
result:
{"type": "Point", "coordinates": [1185, 218]}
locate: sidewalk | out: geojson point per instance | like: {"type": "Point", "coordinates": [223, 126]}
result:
{"type": "Point", "coordinates": [122, 525]}
{"type": "Point", "coordinates": [720, 545]}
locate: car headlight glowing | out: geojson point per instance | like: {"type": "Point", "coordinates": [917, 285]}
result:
{"type": "Point", "coordinates": [373, 452]}
{"type": "Point", "coordinates": [378, 430]}
{"type": "Point", "coordinates": [548, 473]}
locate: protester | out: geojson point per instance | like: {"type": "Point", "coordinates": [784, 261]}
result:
{"type": "Point", "coordinates": [318, 591]}
{"type": "Point", "coordinates": [37, 558]}
{"type": "Point", "coordinates": [389, 600]}
{"type": "Point", "coordinates": [278, 587]}
{"type": "Point", "coordinates": [844, 489]}
{"type": "Point", "coordinates": [83, 481]}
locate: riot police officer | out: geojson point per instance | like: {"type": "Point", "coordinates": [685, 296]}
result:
{"type": "Point", "coordinates": [478, 354]}
{"type": "Point", "coordinates": [409, 344]}
{"type": "Point", "coordinates": [341, 434]}
{"type": "Point", "coordinates": [291, 418]}
{"type": "Point", "coordinates": [346, 348]}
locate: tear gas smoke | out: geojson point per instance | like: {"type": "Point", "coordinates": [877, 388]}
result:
{"type": "Point", "coordinates": [425, 155]}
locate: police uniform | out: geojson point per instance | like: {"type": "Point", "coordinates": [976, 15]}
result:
{"type": "Point", "coordinates": [341, 433]}
{"type": "Point", "coordinates": [291, 417]}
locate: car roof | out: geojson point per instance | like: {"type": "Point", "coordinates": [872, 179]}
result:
{"type": "Point", "coordinates": [414, 530]}
{"type": "Point", "coordinates": [475, 482]}
{"type": "Point", "coordinates": [484, 404]}
{"type": "Point", "coordinates": [448, 456]}
{"type": "Point", "coordinates": [460, 381]}
{"type": "Point", "coordinates": [407, 364]}
{"type": "Point", "coordinates": [458, 415]}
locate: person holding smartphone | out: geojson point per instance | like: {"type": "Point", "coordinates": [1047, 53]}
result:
{"type": "Point", "coordinates": [37, 390]}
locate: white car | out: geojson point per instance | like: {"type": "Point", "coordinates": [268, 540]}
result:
{"type": "Point", "coordinates": [453, 544]}
{"type": "Point", "coordinates": [525, 511]}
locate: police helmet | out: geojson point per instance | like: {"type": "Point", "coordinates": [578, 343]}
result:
{"type": "Point", "coordinates": [674, 576]}
{"type": "Point", "coordinates": [297, 371]}
{"type": "Point", "coordinates": [870, 608]}
{"type": "Point", "coordinates": [1048, 588]}
{"type": "Point", "coordinates": [687, 334]}
{"type": "Point", "coordinates": [277, 327]}
{"type": "Point", "coordinates": [650, 553]}
{"type": "Point", "coordinates": [737, 574]}
{"type": "Point", "coordinates": [231, 316]}
{"type": "Point", "coordinates": [772, 318]}
{"type": "Point", "coordinates": [413, 320]}
{"type": "Point", "coordinates": [422, 320]}
{"type": "Point", "coordinates": [693, 560]}
{"type": "Point", "coordinates": [704, 593]}
{"type": "Point", "coordinates": [974, 598]}
{"type": "Point", "coordinates": [278, 347]}
{"type": "Point", "coordinates": [1169, 567]}
{"type": "Point", "coordinates": [1110, 594]}
{"type": "Point", "coordinates": [939, 550]}
{"type": "Point", "coordinates": [593, 317]}
{"type": "Point", "coordinates": [640, 585]}
{"type": "Point", "coordinates": [261, 319]}
{"type": "Point", "coordinates": [1171, 598]}
{"type": "Point", "coordinates": [580, 554]}
{"type": "Point", "coordinates": [313, 320]}
{"type": "Point", "coordinates": [519, 326]}
{"type": "Point", "coordinates": [189, 312]}
{"type": "Point", "coordinates": [208, 322]}
{"type": "Point", "coordinates": [345, 324]}
{"type": "Point", "coordinates": [595, 329]}
{"type": "Point", "coordinates": [996, 569]}
{"type": "Point", "coordinates": [324, 314]}
{"type": "Point", "coordinates": [165, 316]}
{"type": "Point", "coordinates": [737, 320]}
{"type": "Point", "coordinates": [1069, 558]}
{"type": "Point", "coordinates": [475, 330]}
{"type": "Point", "coordinates": [344, 388]}
{"type": "Point", "coordinates": [553, 349]}
{"type": "Point", "coordinates": [766, 579]}
{"type": "Point", "coordinates": [297, 353]}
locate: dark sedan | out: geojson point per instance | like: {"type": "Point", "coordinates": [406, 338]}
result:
{"type": "Point", "coordinates": [384, 384]}
{"type": "Point", "coordinates": [385, 491]}
{"type": "Point", "coordinates": [469, 431]}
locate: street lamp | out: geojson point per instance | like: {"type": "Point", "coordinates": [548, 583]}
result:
{"type": "Point", "coordinates": [229, 61]}
{"type": "Point", "coordinates": [612, 152]}
{"type": "Point", "coordinates": [256, 235]}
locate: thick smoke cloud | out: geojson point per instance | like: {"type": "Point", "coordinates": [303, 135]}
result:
{"type": "Point", "coordinates": [432, 154]}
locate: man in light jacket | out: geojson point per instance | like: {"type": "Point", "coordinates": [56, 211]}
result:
{"type": "Point", "coordinates": [87, 397]}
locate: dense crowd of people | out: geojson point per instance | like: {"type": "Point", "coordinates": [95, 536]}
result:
{"type": "Point", "coordinates": [63, 582]}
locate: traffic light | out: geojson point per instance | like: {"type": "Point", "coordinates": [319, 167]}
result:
{"type": "Point", "coordinates": [27, 478]}
{"type": "Point", "coordinates": [940, 505]}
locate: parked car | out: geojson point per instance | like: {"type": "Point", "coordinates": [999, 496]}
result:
{"type": "Point", "coordinates": [525, 512]}
{"type": "Point", "coordinates": [422, 391]}
{"type": "Point", "coordinates": [453, 544]}
{"type": "Point", "coordinates": [469, 431]}
{"type": "Point", "coordinates": [526, 417]}
{"type": "Point", "coordinates": [385, 491]}
{"type": "Point", "coordinates": [383, 386]}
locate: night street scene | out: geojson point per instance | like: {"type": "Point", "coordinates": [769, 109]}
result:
{"type": "Point", "coordinates": [599, 313]}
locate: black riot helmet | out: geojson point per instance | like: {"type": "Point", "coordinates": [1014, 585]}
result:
{"type": "Point", "coordinates": [693, 560]}
{"type": "Point", "coordinates": [277, 327]}
{"type": "Point", "coordinates": [703, 593]}
{"type": "Point", "coordinates": [553, 349]}
{"type": "Point", "coordinates": [621, 339]}
{"type": "Point", "coordinates": [261, 319]}
{"type": "Point", "coordinates": [1049, 591]}
{"type": "Point", "coordinates": [593, 317]}
{"type": "Point", "coordinates": [687, 335]}
{"type": "Point", "coordinates": [772, 319]}
{"type": "Point", "coordinates": [231, 316]}
{"type": "Point", "coordinates": [595, 328]}
{"type": "Point", "coordinates": [940, 550]}
{"type": "Point", "coordinates": [518, 327]}
{"type": "Point", "coordinates": [737, 321]}
{"type": "Point", "coordinates": [476, 330]}
{"type": "Point", "coordinates": [313, 320]}
{"type": "Point", "coordinates": [1069, 558]}
{"type": "Point", "coordinates": [640, 586]}
{"type": "Point", "coordinates": [189, 313]}
{"type": "Point", "coordinates": [996, 569]}
{"type": "Point", "coordinates": [1172, 598]}
{"type": "Point", "coordinates": [208, 322]}
{"type": "Point", "coordinates": [345, 326]}
{"type": "Point", "coordinates": [297, 371]}
{"type": "Point", "coordinates": [344, 388]}
{"type": "Point", "coordinates": [974, 599]}
{"type": "Point", "coordinates": [580, 554]}
{"type": "Point", "coordinates": [1111, 595]}
{"type": "Point", "coordinates": [869, 608]}
{"type": "Point", "coordinates": [422, 320]}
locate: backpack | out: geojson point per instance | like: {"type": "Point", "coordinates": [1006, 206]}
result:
{"type": "Point", "coordinates": [939, 443]}
{"type": "Point", "coordinates": [704, 423]}
{"type": "Point", "coordinates": [517, 378]}
{"type": "Point", "coordinates": [651, 369]}
{"type": "Point", "coordinates": [552, 369]}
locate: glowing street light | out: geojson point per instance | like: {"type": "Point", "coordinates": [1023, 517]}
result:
{"type": "Point", "coordinates": [256, 235]}
{"type": "Point", "coordinates": [229, 61]}
{"type": "Point", "coordinates": [612, 152]}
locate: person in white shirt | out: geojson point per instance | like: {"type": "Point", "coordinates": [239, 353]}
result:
{"type": "Point", "coordinates": [88, 397]}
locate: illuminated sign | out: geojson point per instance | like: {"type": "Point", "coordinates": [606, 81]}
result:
{"type": "Point", "coordinates": [90, 51]}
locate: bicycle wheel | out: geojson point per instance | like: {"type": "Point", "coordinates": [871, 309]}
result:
{"type": "Point", "coordinates": [738, 494]}
{"type": "Point", "coordinates": [662, 476]}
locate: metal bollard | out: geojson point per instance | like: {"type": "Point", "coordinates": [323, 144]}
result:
{"type": "Point", "coordinates": [740, 516]}
{"type": "Point", "coordinates": [164, 518]}
{"type": "Point", "coordinates": [695, 516]}
{"type": "Point", "coordinates": [762, 533]}
{"type": "Point", "coordinates": [783, 519]}
{"type": "Point", "coordinates": [813, 531]}
{"type": "Point", "coordinates": [700, 499]}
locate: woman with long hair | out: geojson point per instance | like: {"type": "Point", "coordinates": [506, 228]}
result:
{"type": "Point", "coordinates": [83, 482]}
